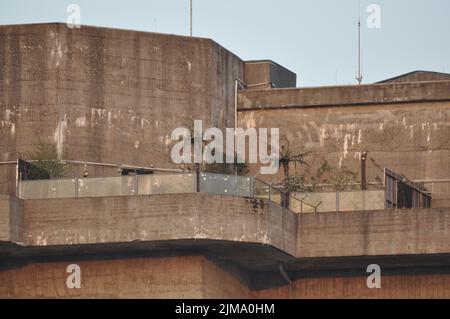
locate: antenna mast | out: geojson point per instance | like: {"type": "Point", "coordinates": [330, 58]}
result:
{"type": "Point", "coordinates": [359, 77]}
{"type": "Point", "coordinates": [190, 17]}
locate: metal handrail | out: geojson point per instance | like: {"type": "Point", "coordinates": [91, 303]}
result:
{"type": "Point", "coordinates": [76, 180]}
{"type": "Point", "coordinates": [270, 187]}
{"type": "Point", "coordinates": [122, 166]}
{"type": "Point", "coordinates": [302, 201]}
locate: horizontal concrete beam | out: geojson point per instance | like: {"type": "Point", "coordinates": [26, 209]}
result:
{"type": "Point", "coordinates": [156, 218]}
{"type": "Point", "coordinates": [101, 220]}
{"type": "Point", "coordinates": [374, 233]}
{"type": "Point", "coordinates": [344, 95]}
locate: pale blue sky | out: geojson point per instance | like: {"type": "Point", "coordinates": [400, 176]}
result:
{"type": "Point", "coordinates": [314, 38]}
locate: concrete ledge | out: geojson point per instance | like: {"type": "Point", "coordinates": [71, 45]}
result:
{"type": "Point", "coordinates": [100, 220]}
{"type": "Point", "coordinates": [248, 238]}
{"type": "Point", "coordinates": [374, 233]}
{"type": "Point", "coordinates": [198, 216]}
{"type": "Point", "coordinates": [344, 95]}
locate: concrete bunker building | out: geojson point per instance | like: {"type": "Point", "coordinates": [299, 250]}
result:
{"type": "Point", "coordinates": [110, 96]}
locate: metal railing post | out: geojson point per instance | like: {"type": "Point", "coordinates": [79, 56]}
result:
{"type": "Point", "coordinates": [337, 202]}
{"type": "Point", "coordinates": [252, 187]}
{"type": "Point", "coordinates": [197, 173]}
{"type": "Point", "coordinates": [136, 184]}
{"type": "Point", "coordinates": [270, 193]}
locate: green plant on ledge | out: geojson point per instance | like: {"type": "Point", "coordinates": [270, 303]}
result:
{"type": "Point", "coordinates": [338, 178]}
{"type": "Point", "coordinates": [341, 178]}
{"type": "Point", "coordinates": [46, 162]}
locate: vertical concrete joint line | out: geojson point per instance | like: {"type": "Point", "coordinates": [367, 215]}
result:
{"type": "Point", "coordinates": [284, 274]}
{"type": "Point", "coordinates": [286, 277]}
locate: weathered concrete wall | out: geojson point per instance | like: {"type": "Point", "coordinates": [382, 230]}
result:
{"type": "Point", "coordinates": [11, 219]}
{"type": "Point", "coordinates": [196, 277]}
{"type": "Point", "coordinates": [355, 287]}
{"type": "Point", "coordinates": [115, 220]}
{"type": "Point", "coordinates": [378, 233]}
{"type": "Point", "coordinates": [4, 219]}
{"type": "Point", "coordinates": [157, 218]}
{"type": "Point", "coordinates": [134, 278]}
{"type": "Point", "coordinates": [107, 95]}
{"type": "Point", "coordinates": [338, 123]}
{"type": "Point", "coordinates": [326, 96]}
{"type": "Point", "coordinates": [218, 284]}
{"type": "Point", "coordinates": [246, 240]}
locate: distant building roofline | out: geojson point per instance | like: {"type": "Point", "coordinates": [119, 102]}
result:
{"type": "Point", "coordinates": [411, 73]}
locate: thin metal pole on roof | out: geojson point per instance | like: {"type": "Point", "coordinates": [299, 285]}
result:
{"type": "Point", "coordinates": [359, 77]}
{"type": "Point", "coordinates": [190, 17]}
